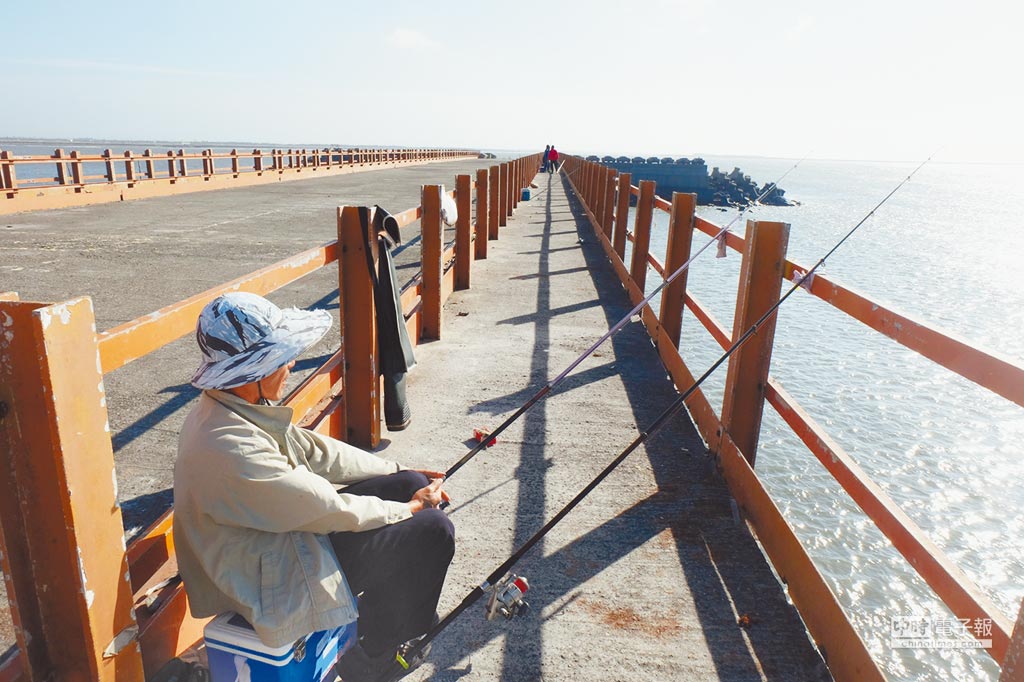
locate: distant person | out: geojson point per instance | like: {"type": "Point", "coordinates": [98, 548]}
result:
{"type": "Point", "coordinates": [259, 526]}
{"type": "Point", "coordinates": [552, 159]}
{"type": "Point", "coordinates": [547, 153]}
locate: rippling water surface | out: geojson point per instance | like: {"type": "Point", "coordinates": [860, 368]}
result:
{"type": "Point", "coordinates": [946, 249]}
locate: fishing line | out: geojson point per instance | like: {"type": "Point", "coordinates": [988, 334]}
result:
{"type": "Point", "coordinates": [607, 335]}
{"type": "Point", "coordinates": [493, 579]}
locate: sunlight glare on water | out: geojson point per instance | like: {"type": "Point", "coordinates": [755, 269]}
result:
{"type": "Point", "coordinates": [946, 250]}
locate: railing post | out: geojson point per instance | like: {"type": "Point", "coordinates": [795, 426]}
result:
{"type": "Point", "coordinates": [65, 545]}
{"type": "Point", "coordinates": [182, 163]}
{"type": "Point", "coordinates": [517, 186]}
{"type": "Point", "coordinates": [129, 166]}
{"type": "Point", "coordinates": [506, 192]}
{"type": "Point", "coordinates": [234, 162]}
{"type": "Point", "coordinates": [257, 160]}
{"type": "Point", "coordinates": [482, 214]}
{"type": "Point", "coordinates": [598, 193]}
{"type": "Point", "coordinates": [585, 184]}
{"type": "Point", "coordinates": [680, 237]}
{"type": "Point", "coordinates": [503, 194]}
{"type": "Point", "coordinates": [1013, 661]}
{"type": "Point", "coordinates": [760, 283]}
{"type": "Point", "coordinates": [433, 268]}
{"type": "Point", "coordinates": [170, 163]}
{"type": "Point", "coordinates": [77, 174]}
{"type": "Point", "coordinates": [358, 327]}
{"type": "Point", "coordinates": [495, 202]}
{"type": "Point", "coordinates": [207, 164]}
{"type": "Point", "coordinates": [150, 164]}
{"type": "Point", "coordinates": [609, 202]}
{"type": "Point", "coordinates": [111, 171]}
{"type": "Point", "coordinates": [642, 234]}
{"type": "Point", "coordinates": [463, 238]}
{"type": "Point", "coordinates": [591, 187]}
{"type": "Point", "coordinates": [62, 170]}
{"type": "Point", "coordinates": [510, 191]}
{"type": "Point", "coordinates": [7, 173]}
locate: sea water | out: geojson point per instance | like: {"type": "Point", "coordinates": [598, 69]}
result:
{"type": "Point", "coordinates": [946, 249]}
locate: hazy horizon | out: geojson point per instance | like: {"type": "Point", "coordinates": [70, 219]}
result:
{"type": "Point", "coordinates": [877, 81]}
{"type": "Point", "coordinates": [92, 141]}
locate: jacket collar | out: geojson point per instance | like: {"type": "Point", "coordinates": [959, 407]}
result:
{"type": "Point", "coordinates": [271, 418]}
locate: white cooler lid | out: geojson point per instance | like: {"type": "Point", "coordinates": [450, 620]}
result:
{"type": "Point", "coordinates": [232, 633]}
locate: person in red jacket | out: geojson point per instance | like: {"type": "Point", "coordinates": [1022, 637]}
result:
{"type": "Point", "coordinates": [552, 159]}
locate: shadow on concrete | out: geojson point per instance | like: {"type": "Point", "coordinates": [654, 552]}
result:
{"type": "Point", "coordinates": [553, 273]}
{"type": "Point", "coordinates": [180, 396]}
{"type": "Point", "coordinates": [511, 401]}
{"type": "Point", "coordinates": [536, 317]}
{"type": "Point", "coordinates": [524, 654]}
{"type": "Point", "coordinates": [328, 302]}
{"type": "Point", "coordinates": [139, 512]}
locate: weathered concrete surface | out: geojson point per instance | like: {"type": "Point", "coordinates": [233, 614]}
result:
{"type": "Point", "coordinates": [646, 578]}
{"type": "Point", "coordinates": [644, 581]}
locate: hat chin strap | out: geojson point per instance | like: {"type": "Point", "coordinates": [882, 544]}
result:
{"type": "Point", "coordinates": [263, 399]}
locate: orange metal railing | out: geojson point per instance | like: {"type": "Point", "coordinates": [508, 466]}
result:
{"type": "Point", "coordinates": [605, 197]}
{"type": "Point", "coordinates": [52, 363]}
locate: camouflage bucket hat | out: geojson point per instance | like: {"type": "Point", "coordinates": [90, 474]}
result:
{"type": "Point", "coordinates": [245, 338]}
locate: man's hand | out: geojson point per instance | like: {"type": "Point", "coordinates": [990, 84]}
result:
{"type": "Point", "coordinates": [430, 474]}
{"type": "Point", "coordinates": [429, 497]}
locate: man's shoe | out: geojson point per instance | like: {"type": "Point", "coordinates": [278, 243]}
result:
{"type": "Point", "coordinates": [355, 665]}
{"type": "Point", "coordinates": [416, 660]}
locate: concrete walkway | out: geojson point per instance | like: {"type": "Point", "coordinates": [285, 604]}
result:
{"type": "Point", "coordinates": [644, 581]}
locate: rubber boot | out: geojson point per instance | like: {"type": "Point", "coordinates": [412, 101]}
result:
{"type": "Point", "coordinates": [397, 413]}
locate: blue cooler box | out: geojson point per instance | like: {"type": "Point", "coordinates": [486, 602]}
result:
{"type": "Point", "coordinates": [236, 653]}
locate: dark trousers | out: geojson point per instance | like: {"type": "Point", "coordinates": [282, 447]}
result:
{"type": "Point", "coordinates": [396, 571]}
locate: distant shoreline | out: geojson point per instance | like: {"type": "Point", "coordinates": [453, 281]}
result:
{"type": "Point", "coordinates": [176, 144]}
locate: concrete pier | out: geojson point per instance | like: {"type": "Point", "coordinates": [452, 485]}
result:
{"type": "Point", "coordinates": [646, 580]}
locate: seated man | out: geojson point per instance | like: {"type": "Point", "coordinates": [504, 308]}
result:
{"type": "Point", "coordinates": [259, 527]}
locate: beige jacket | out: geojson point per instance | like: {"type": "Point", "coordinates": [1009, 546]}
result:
{"type": "Point", "coordinates": [253, 498]}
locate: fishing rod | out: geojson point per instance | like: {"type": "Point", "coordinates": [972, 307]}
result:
{"type": "Point", "coordinates": [506, 592]}
{"type": "Point", "coordinates": [544, 391]}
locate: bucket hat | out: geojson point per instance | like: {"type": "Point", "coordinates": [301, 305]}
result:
{"type": "Point", "coordinates": [246, 338]}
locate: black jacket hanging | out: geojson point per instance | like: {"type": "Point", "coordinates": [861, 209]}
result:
{"type": "Point", "coordinates": [393, 344]}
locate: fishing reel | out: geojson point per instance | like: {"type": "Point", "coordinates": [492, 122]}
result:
{"type": "Point", "coordinates": [506, 597]}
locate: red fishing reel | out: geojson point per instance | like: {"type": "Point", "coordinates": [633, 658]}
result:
{"type": "Point", "coordinates": [506, 598]}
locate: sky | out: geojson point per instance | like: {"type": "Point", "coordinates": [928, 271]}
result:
{"type": "Point", "coordinates": [873, 80]}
